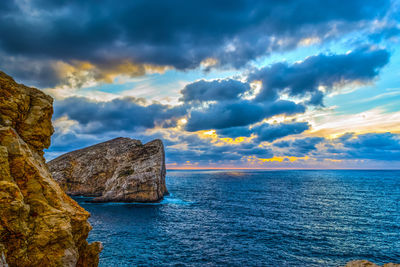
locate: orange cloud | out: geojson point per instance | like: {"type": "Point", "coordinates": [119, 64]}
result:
{"type": "Point", "coordinates": [78, 74]}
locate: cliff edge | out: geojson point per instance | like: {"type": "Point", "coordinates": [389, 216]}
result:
{"type": "Point", "coordinates": [39, 224]}
{"type": "Point", "coordinates": [119, 170]}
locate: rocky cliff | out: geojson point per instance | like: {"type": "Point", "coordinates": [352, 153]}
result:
{"type": "Point", "coordinates": [39, 224]}
{"type": "Point", "coordinates": [119, 170]}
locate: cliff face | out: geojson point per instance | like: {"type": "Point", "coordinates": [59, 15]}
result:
{"type": "Point", "coordinates": [39, 224]}
{"type": "Point", "coordinates": [119, 170]}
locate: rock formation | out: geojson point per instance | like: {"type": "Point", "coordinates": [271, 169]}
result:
{"type": "Point", "coordinates": [365, 263]}
{"type": "Point", "coordinates": [39, 224]}
{"type": "Point", "coordinates": [119, 170]}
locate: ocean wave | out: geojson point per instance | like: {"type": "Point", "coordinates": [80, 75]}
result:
{"type": "Point", "coordinates": [168, 200]}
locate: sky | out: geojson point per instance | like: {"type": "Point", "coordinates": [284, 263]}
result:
{"type": "Point", "coordinates": [263, 84]}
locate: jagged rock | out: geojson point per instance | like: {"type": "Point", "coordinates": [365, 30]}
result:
{"type": "Point", "coordinates": [119, 170]}
{"type": "Point", "coordinates": [39, 224]}
{"type": "Point", "coordinates": [28, 111]}
{"type": "Point", "coordinates": [365, 263]}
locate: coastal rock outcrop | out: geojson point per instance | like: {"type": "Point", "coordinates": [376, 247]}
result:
{"type": "Point", "coordinates": [365, 263]}
{"type": "Point", "coordinates": [119, 170]}
{"type": "Point", "coordinates": [39, 224]}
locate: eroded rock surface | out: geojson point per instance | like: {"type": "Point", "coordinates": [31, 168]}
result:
{"type": "Point", "coordinates": [119, 170]}
{"type": "Point", "coordinates": [365, 263]}
{"type": "Point", "coordinates": [39, 224]}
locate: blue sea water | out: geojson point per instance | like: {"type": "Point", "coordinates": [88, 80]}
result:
{"type": "Point", "coordinates": [256, 218]}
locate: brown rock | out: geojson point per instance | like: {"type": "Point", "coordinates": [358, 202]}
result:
{"type": "Point", "coordinates": [365, 263]}
{"type": "Point", "coordinates": [28, 111]}
{"type": "Point", "coordinates": [39, 224]}
{"type": "Point", "coordinates": [119, 170]}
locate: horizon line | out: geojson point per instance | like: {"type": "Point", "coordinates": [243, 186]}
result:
{"type": "Point", "coordinates": [266, 169]}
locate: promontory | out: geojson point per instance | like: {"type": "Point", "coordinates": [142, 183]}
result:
{"type": "Point", "coordinates": [119, 170]}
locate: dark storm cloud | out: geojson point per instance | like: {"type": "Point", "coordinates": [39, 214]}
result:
{"type": "Point", "coordinates": [176, 33]}
{"type": "Point", "coordinates": [304, 78]}
{"type": "Point", "coordinates": [216, 90]}
{"type": "Point", "coordinates": [119, 114]}
{"type": "Point", "coordinates": [240, 113]}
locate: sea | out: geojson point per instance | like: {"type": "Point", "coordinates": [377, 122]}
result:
{"type": "Point", "coordinates": [255, 218]}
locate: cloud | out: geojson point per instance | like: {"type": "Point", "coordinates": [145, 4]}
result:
{"type": "Point", "coordinates": [282, 144]}
{"type": "Point", "coordinates": [234, 132]}
{"type": "Point", "coordinates": [126, 114]}
{"type": "Point", "coordinates": [74, 74]}
{"type": "Point", "coordinates": [271, 132]}
{"type": "Point", "coordinates": [265, 131]}
{"type": "Point", "coordinates": [368, 146]}
{"type": "Point", "coordinates": [40, 73]}
{"type": "Point", "coordinates": [204, 152]}
{"type": "Point", "coordinates": [177, 33]}
{"type": "Point", "coordinates": [299, 147]}
{"type": "Point", "coordinates": [216, 90]}
{"type": "Point", "coordinates": [71, 135]}
{"type": "Point", "coordinates": [74, 131]}
{"type": "Point", "coordinates": [304, 80]}
{"type": "Point", "coordinates": [377, 146]}
{"type": "Point", "coordinates": [238, 113]}
{"type": "Point", "coordinates": [307, 77]}
{"type": "Point", "coordinates": [386, 32]}
{"type": "Point", "coordinates": [180, 146]}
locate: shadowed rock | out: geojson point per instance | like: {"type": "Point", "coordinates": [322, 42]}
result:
{"type": "Point", "coordinates": [39, 224]}
{"type": "Point", "coordinates": [119, 170]}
